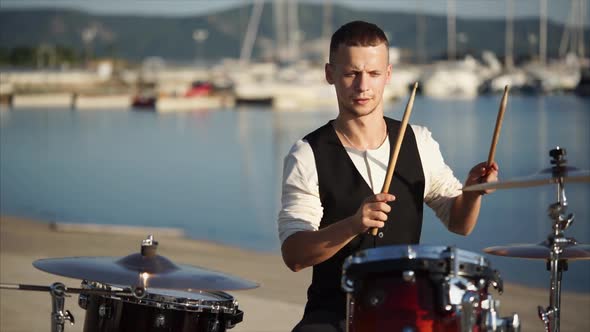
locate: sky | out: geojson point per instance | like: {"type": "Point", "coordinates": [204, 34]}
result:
{"type": "Point", "coordinates": [558, 10]}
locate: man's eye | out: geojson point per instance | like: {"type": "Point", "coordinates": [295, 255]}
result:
{"type": "Point", "coordinates": [349, 74]}
{"type": "Point", "coordinates": [374, 74]}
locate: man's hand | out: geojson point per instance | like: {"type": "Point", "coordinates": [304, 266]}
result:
{"type": "Point", "coordinates": [483, 173]}
{"type": "Point", "coordinates": [373, 212]}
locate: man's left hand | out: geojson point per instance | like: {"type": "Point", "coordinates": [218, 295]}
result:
{"type": "Point", "coordinates": [483, 173]}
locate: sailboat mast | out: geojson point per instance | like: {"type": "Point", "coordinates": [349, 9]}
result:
{"type": "Point", "coordinates": [543, 32]}
{"type": "Point", "coordinates": [509, 47]}
{"type": "Point", "coordinates": [327, 26]}
{"type": "Point", "coordinates": [294, 34]}
{"type": "Point", "coordinates": [251, 32]}
{"type": "Point", "coordinates": [451, 30]}
{"type": "Point", "coordinates": [420, 32]}
{"type": "Point", "coordinates": [279, 19]}
{"type": "Point", "coordinates": [582, 18]}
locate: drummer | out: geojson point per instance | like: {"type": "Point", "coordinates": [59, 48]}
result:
{"type": "Point", "coordinates": [333, 177]}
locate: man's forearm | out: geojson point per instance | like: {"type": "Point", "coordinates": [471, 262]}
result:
{"type": "Point", "coordinates": [308, 248]}
{"type": "Point", "coordinates": [464, 213]}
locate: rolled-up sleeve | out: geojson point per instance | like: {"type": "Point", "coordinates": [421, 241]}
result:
{"type": "Point", "coordinates": [441, 185]}
{"type": "Point", "coordinates": [301, 208]}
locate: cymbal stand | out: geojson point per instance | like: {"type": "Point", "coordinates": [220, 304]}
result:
{"type": "Point", "coordinates": [58, 316]}
{"type": "Point", "coordinates": [557, 240]}
{"type": "Point", "coordinates": [58, 292]}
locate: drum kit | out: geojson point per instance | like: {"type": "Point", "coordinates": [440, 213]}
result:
{"type": "Point", "coordinates": [439, 289]}
{"type": "Point", "coordinates": [395, 288]}
{"type": "Point", "coordinates": [142, 292]}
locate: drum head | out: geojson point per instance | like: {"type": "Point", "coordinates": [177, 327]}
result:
{"type": "Point", "coordinates": [433, 259]}
{"type": "Point", "coordinates": [194, 301]}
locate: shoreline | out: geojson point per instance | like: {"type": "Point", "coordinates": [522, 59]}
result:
{"type": "Point", "coordinates": [277, 305]}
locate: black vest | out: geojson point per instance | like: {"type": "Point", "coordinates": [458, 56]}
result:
{"type": "Point", "coordinates": [342, 190]}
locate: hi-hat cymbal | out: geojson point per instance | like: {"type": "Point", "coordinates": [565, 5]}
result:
{"type": "Point", "coordinates": [541, 251]}
{"type": "Point", "coordinates": [546, 176]}
{"type": "Point", "coordinates": [137, 270]}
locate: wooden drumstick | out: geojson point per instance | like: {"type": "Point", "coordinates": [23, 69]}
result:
{"type": "Point", "coordinates": [396, 148]}
{"type": "Point", "coordinates": [498, 125]}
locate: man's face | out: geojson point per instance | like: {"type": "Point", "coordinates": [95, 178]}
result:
{"type": "Point", "coordinates": [359, 74]}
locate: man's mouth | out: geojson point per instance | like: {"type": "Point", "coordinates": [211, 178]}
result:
{"type": "Point", "coordinates": [361, 101]}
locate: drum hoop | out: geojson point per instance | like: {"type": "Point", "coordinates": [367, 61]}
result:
{"type": "Point", "coordinates": [416, 252]}
{"type": "Point", "coordinates": [192, 305]}
{"type": "Point", "coordinates": [226, 305]}
{"type": "Point", "coordinates": [433, 266]}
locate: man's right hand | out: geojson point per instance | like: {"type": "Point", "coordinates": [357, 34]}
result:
{"type": "Point", "coordinates": [308, 248]}
{"type": "Point", "coordinates": [373, 212]}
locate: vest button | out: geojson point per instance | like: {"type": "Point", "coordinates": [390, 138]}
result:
{"type": "Point", "coordinates": [380, 235]}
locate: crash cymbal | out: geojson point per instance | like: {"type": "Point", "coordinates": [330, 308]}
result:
{"type": "Point", "coordinates": [546, 176]}
{"type": "Point", "coordinates": [145, 269]}
{"type": "Point", "coordinates": [135, 270]}
{"type": "Point", "coordinates": [541, 251]}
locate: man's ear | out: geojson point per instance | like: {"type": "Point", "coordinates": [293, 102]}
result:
{"type": "Point", "coordinates": [329, 70]}
{"type": "Point", "coordinates": [389, 70]}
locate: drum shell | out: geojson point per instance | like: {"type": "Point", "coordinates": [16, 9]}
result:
{"type": "Point", "coordinates": [416, 288]}
{"type": "Point", "coordinates": [386, 302]}
{"type": "Point", "coordinates": [123, 316]}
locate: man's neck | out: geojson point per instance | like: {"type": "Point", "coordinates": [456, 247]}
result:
{"type": "Point", "coordinates": [362, 133]}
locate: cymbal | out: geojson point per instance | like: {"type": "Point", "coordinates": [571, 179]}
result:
{"type": "Point", "coordinates": [546, 176]}
{"type": "Point", "coordinates": [541, 251]}
{"type": "Point", "coordinates": [137, 270]}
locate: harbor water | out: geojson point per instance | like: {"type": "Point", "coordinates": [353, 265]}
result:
{"type": "Point", "coordinates": [217, 174]}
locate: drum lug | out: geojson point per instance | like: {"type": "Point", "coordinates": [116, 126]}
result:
{"type": "Point", "coordinates": [160, 321]}
{"type": "Point", "coordinates": [104, 311]}
{"type": "Point", "coordinates": [83, 301]}
{"type": "Point", "coordinates": [409, 276]}
{"type": "Point", "coordinates": [444, 290]}
{"type": "Point", "coordinates": [214, 325]}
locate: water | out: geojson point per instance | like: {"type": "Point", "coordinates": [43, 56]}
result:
{"type": "Point", "coordinates": [217, 174]}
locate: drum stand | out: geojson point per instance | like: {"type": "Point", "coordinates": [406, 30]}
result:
{"type": "Point", "coordinates": [58, 292]}
{"type": "Point", "coordinates": [58, 316]}
{"type": "Point", "coordinates": [556, 242]}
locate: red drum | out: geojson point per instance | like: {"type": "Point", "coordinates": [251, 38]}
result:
{"type": "Point", "coordinates": [418, 288]}
{"type": "Point", "coordinates": [159, 310]}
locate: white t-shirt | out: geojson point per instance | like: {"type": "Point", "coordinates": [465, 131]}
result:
{"type": "Point", "coordinates": [301, 206]}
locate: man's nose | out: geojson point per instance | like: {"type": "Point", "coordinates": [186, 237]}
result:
{"type": "Point", "coordinates": [362, 82]}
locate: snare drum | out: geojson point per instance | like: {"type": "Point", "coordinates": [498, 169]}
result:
{"type": "Point", "coordinates": [159, 310]}
{"type": "Point", "coordinates": [417, 288]}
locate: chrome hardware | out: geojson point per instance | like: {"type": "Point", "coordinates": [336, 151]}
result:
{"type": "Point", "coordinates": [83, 301]}
{"type": "Point", "coordinates": [544, 315]}
{"type": "Point", "coordinates": [492, 323]}
{"type": "Point", "coordinates": [510, 324]}
{"type": "Point", "coordinates": [409, 276]}
{"type": "Point", "coordinates": [490, 314]}
{"type": "Point", "coordinates": [160, 321]}
{"type": "Point", "coordinates": [214, 326]}
{"type": "Point", "coordinates": [58, 316]}
{"type": "Point", "coordinates": [347, 284]}
{"type": "Point", "coordinates": [469, 302]}
{"type": "Point", "coordinates": [148, 241]}
{"type": "Point", "coordinates": [411, 253]}
{"type": "Point", "coordinates": [104, 311]}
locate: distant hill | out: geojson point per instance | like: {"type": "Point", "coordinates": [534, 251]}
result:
{"type": "Point", "coordinates": [136, 37]}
